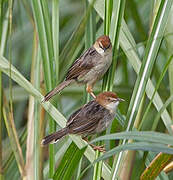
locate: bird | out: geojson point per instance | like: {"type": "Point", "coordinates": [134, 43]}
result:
{"type": "Point", "coordinates": [88, 68]}
{"type": "Point", "coordinates": [92, 118]}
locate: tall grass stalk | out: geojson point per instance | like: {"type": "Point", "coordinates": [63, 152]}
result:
{"type": "Point", "coordinates": [55, 35]}
{"type": "Point", "coordinates": [8, 109]}
{"type": "Point", "coordinates": [113, 24]}
{"type": "Point", "coordinates": [30, 146]}
{"type": "Point", "coordinates": [107, 21]}
{"type": "Point", "coordinates": [1, 95]}
{"type": "Point", "coordinates": [108, 7]}
{"type": "Point", "coordinates": [3, 36]}
{"type": "Point", "coordinates": [90, 37]}
{"type": "Point", "coordinates": [42, 20]}
{"type": "Point", "coordinates": [169, 45]}
{"type": "Point", "coordinates": [35, 122]}
{"type": "Point", "coordinates": [1, 120]}
{"type": "Point", "coordinates": [157, 87]}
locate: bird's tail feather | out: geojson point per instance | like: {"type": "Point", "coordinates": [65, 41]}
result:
{"type": "Point", "coordinates": [53, 138]}
{"type": "Point", "coordinates": [56, 90]}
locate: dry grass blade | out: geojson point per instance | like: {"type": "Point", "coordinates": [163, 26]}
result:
{"type": "Point", "coordinates": [30, 126]}
{"type": "Point", "coordinates": [12, 133]}
{"type": "Point", "coordinates": [169, 167]}
{"type": "Point", "coordinates": [30, 141]}
{"type": "Point", "coordinates": [156, 166]}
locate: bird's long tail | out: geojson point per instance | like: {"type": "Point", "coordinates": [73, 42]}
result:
{"type": "Point", "coordinates": [53, 138]}
{"type": "Point", "coordinates": [56, 90]}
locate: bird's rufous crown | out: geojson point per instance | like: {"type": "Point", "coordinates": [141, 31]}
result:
{"type": "Point", "coordinates": [107, 94]}
{"type": "Point", "coordinates": [103, 98]}
{"type": "Point", "coordinates": [104, 41]}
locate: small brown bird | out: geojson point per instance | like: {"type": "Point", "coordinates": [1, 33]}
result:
{"type": "Point", "coordinates": [88, 68]}
{"type": "Point", "coordinates": [92, 118]}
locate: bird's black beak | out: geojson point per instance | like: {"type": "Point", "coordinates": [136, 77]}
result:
{"type": "Point", "coordinates": [104, 49]}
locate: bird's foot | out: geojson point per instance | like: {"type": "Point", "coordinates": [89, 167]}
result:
{"type": "Point", "coordinates": [99, 148]}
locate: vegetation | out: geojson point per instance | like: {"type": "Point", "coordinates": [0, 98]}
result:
{"type": "Point", "coordinates": [39, 40]}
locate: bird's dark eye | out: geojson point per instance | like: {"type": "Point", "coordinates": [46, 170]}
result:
{"type": "Point", "coordinates": [100, 46]}
{"type": "Point", "coordinates": [108, 46]}
{"type": "Point", "coordinates": [104, 48]}
{"type": "Point", "coordinates": [110, 99]}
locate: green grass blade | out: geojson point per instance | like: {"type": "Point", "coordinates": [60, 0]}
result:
{"type": "Point", "coordinates": [3, 36]}
{"type": "Point", "coordinates": [115, 32]}
{"type": "Point", "coordinates": [157, 87]}
{"type": "Point", "coordinates": [90, 38]}
{"type": "Point", "coordinates": [40, 23]}
{"type": "Point", "coordinates": [63, 145]}
{"type": "Point", "coordinates": [169, 45]}
{"type": "Point", "coordinates": [55, 35]}
{"type": "Point", "coordinates": [37, 133]}
{"type": "Point", "coordinates": [156, 120]}
{"type": "Point", "coordinates": [4, 33]}
{"type": "Point", "coordinates": [147, 136]}
{"type": "Point", "coordinates": [48, 31]}
{"type": "Point", "coordinates": [128, 45]}
{"type": "Point", "coordinates": [108, 14]}
{"type": "Point", "coordinates": [42, 20]}
{"type": "Point", "coordinates": [118, 13]}
{"type": "Point", "coordinates": [98, 167]}
{"type": "Point", "coordinates": [143, 146]}
{"type": "Point", "coordinates": [69, 162]}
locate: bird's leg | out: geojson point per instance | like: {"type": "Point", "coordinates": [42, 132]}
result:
{"type": "Point", "coordinates": [90, 91]}
{"type": "Point", "coordinates": [99, 148]}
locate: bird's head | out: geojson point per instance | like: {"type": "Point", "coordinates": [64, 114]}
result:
{"type": "Point", "coordinates": [103, 45]}
{"type": "Point", "coordinates": [109, 100]}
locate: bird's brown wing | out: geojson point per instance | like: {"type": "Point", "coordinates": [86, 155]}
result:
{"type": "Point", "coordinates": [83, 64]}
{"type": "Point", "coordinates": [86, 119]}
